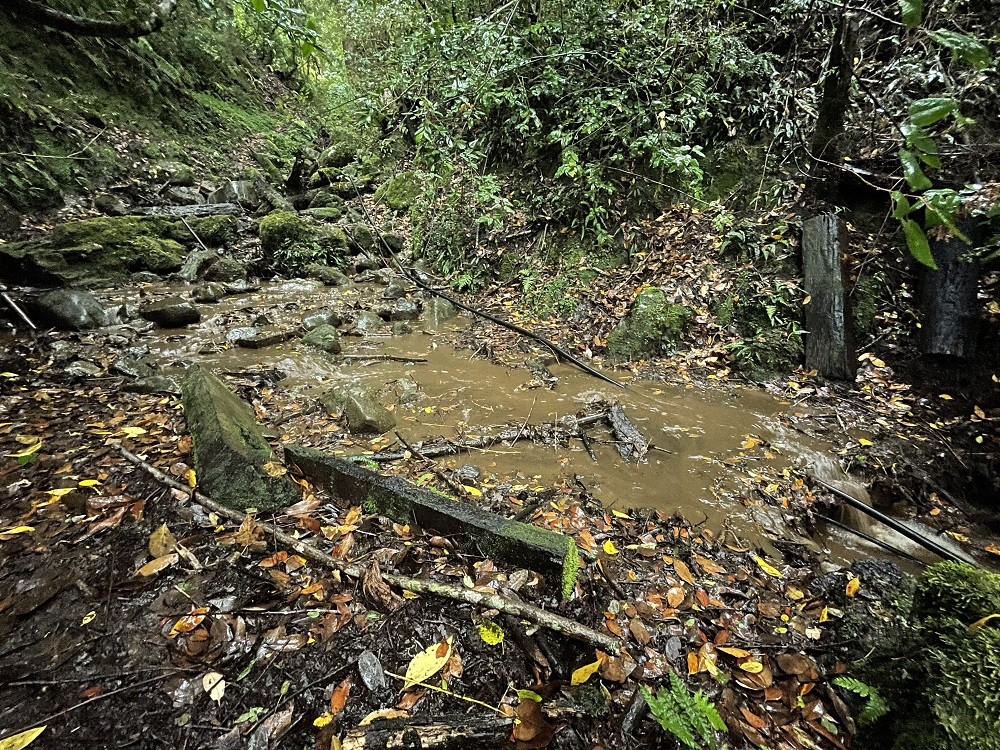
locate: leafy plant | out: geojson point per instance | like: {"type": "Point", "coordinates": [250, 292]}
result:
{"type": "Point", "coordinates": [690, 717]}
{"type": "Point", "coordinates": [875, 705]}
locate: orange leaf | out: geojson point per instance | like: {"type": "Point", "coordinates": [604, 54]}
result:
{"type": "Point", "coordinates": [852, 586]}
{"type": "Point", "coordinates": [339, 698]}
{"type": "Point", "coordinates": [675, 595]}
{"type": "Point", "coordinates": [693, 663]}
{"type": "Point", "coordinates": [684, 572]}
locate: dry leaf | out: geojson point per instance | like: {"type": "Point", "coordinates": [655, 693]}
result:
{"type": "Point", "coordinates": [428, 662]}
{"type": "Point", "coordinates": [585, 672]}
{"type": "Point", "coordinates": [339, 698]}
{"type": "Point", "coordinates": [214, 684]}
{"type": "Point", "coordinates": [385, 713]}
{"type": "Point", "coordinates": [161, 563]}
{"type": "Point", "coordinates": [379, 593]}
{"type": "Point", "coordinates": [684, 572]}
{"type": "Point", "coordinates": [162, 542]}
{"type": "Point", "coordinates": [22, 739]}
{"type": "Point", "coordinates": [852, 586]}
{"type": "Point", "coordinates": [769, 569]}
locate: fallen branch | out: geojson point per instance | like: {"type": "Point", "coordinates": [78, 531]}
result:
{"type": "Point", "coordinates": [383, 358]}
{"type": "Point", "coordinates": [546, 619]}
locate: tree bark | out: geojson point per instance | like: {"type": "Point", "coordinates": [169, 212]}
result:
{"type": "Point", "coordinates": [82, 26]}
{"type": "Point", "coordinates": [829, 341]}
{"type": "Point", "coordinates": [948, 295]}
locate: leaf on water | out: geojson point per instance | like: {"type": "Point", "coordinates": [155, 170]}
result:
{"type": "Point", "coordinates": [769, 569]}
{"type": "Point", "coordinates": [214, 684]}
{"type": "Point", "coordinates": [585, 672]}
{"type": "Point", "coordinates": [22, 739]}
{"type": "Point", "coordinates": [852, 586]}
{"type": "Point", "coordinates": [428, 662]}
{"type": "Point", "coordinates": [160, 563]}
{"type": "Point", "coordinates": [162, 542]}
{"type": "Point", "coordinates": [491, 633]}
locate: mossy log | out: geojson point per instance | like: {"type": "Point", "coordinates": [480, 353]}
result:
{"type": "Point", "coordinates": [511, 541]}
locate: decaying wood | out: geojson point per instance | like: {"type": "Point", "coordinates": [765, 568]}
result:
{"type": "Point", "coordinates": [41, 13]}
{"type": "Point", "coordinates": [442, 733]}
{"type": "Point", "coordinates": [948, 296]}
{"type": "Point", "coordinates": [521, 544]}
{"type": "Point", "coordinates": [383, 358]}
{"type": "Point", "coordinates": [630, 443]}
{"type": "Point", "coordinates": [829, 341]}
{"type": "Point", "coordinates": [491, 600]}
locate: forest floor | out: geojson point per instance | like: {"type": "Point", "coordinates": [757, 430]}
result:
{"type": "Point", "coordinates": [130, 616]}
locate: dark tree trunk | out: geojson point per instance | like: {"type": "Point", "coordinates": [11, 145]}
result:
{"type": "Point", "coordinates": [829, 341]}
{"type": "Point", "coordinates": [948, 295]}
{"type": "Point", "coordinates": [37, 12]}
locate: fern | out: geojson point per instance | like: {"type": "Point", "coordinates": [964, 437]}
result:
{"type": "Point", "coordinates": [875, 705]}
{"type": "Point", "coordinates": [690, 717]}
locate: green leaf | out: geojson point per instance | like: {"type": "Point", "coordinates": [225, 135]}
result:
{"type": "Point", "coordinates": [259, 5]}
{"type": "Point", "coordinates": [914, 175]}
{"type": "Point", "coordinates": [901, 206]}
{"type": "Point", "coordinates": [963, 47]}
{"type": "Point", "coordinates": [912, 12]}
{"type": "Point", "coordinates": [917, 242]}
{"type": "Point", "coordinates": [924, 112]}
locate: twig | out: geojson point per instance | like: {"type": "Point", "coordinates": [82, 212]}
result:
{"type": "Point", "coordinates": [456, 487]}
{"type": "Point", "coordinates": [384, 357]}
{"type": "Point", "coordinates": [490, 600]}
{"type": "Point", "coordinates": [446, 692]}
{"type": "Point", "coordinates": [18, 310]}
{"type": "Point", "coordinates": [195, 235]}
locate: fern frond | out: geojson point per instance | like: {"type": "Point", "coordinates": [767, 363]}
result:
{"type": "Point", "coordinates": [690, 717]}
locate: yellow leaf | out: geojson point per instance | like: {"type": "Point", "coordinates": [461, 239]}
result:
{"type": "Point", "coordinates": [160, 563]}
{"type": "Point", "coordinates": [132, 432]}
{"type": "Point", "coordinates": [865, 443]}
{"type": "Point", "coordinates": [190, 478]}
{"type": "Point", "coordinates": [214, 685]}
{"type": "Point", "coordinates": [752, 666]}
{"type": "Point", "coordinates": [609, 547]}
{"type": "Point", "coordinates": [23, 739]}
{"type": "Point", "coordinates": [89, 483]}
{"type": "Point", "coordinates": [385, 713]}
{"type": "Point", "coordinates": [16, 530]}
{"type": "Point", "coordinates": [491, 633]}
{"type": "Point", "coordinates": [274, 469]}
{"type": "Point", "coordinates": [808, 299]}
{"type": "Point", "coordinates": [978, 624]}
{"type": "Point", "coordinates": [824, 615]}
{"type": "Point", "coordinates": [769, 569]}
{"type": "Point", "coordinates": [751, 442]}
{"type": "Point", "coordinates": [877, 362]}
{"type": "Point", "coordinates": [852, 586]}
{"type": "Point", "coordinates": [584, 673]}
{"type": "Point", "coordinates": [323, 719]}
{"type": "Point", "coordinates": [428, 662]}
{"type": "Point", "coordinates": [739, 653]}
{"type": "Point", "coordinates": [162, 542]}
{"type": "Point", "coordinates": [945, 396]}
{"type": "Point", "coordinates": [89, 617]}
{"type": "Point", "coordinates": [472, 491]}
{"type": "Point", "coordinates": [60, 491]}
{"type": "Point", "coordinates": [619, 514]}
{"type": "Point", "coordinates": [29, 451]}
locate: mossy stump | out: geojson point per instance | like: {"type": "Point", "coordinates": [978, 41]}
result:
{"type": "Point", "coordinates": [517, 543]}
{"type": "Point", "coordinates": [229, 448]}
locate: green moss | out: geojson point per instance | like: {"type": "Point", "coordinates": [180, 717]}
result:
{"type": "Point", "coordinates": [864, 304]}
{"type": "Point", "coordinates": [651, 325]}
{"type": "Point", "coordinates": [957, 590]}
{"type": "Point", "coordinates": [283, 228]}
{"type": "Point", "coordinates": [401, 191]}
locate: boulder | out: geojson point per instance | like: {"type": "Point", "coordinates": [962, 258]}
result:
{"type": "Point", "coordinates": [196, 262]}
{"type": "Point", "coordinates": [226, 269]}
{"type": "Point", "coordinates": [329, 276]}
{"type": "Point", "coordinates": [230, 452]}
{"type": "Point", "coordinates": [325, 198]}
{"type": "Point", "coordinates": [322, 318]}
{"type": "Point", "coordinates": [401, 328]}
{"type": "Point", "coordinates": [235, 335]}
{"type": "Point", "coordinates": [651, 326]}
{"type": "Point", "coordinates": [263, 339]}
{"type": "Point", "coordinates": [81, 369]}
{"type": "Point", "coordinates": [153, 384]}
{"type": "Point", "coordinates": [171, 312]}
{"type": "Point", "coordinates": [110, 204]}
{"type": "Point", "coordinates": [236, 191]}
{"type": "Point", "coordinates": [184, 196]}
{"type": "Point", "coordinates": [405, 309]}
{"type": "Point", "coordinates": [282, 228]}
{"type": "Point", "coordinates": [362, 239]}
{"type": "Point", "coordinates": [438, 310]}
{"type": "Point", "coordinates": [69, 310]}
{"type": "Point", "coordinates": [367, 322]}
{"type": "Point", "coordinates": [134, 364]}
{"type": "Point", "coordinates": [323, 337]}
{"type": "Point", "coordinates": [400, 191]}
{"type": "Point", "coordinates": [362, 412]}
{"type": "Point", "coordinates": [208, 293]}
{"type": "Point", "coordinates": [324, 214]}
{"type": "Point", "coordinates": [174, 173]}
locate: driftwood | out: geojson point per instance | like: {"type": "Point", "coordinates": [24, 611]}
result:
{"type": "Point", "coordinates": [518, 543]}
{"type": "Point", "coordinates": [630, 443]}
{"type": "Point", "coordinates": [489, 600]}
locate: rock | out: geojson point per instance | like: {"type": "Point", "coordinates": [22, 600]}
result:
{"type": "Point", "coordinates": [226, 269]}
{"type": "Point", "coordinates": [362, 412]}
{"type": "Point", "coordinates": [236, 191]}
{"type": "Point", "coordinates": [438, 310]}
{"type": "Point", "coordinates": [144, 277]}
{"type": "Point", "coordinates": [324, 337]}
{"type": "Point", "coordinates": [407, 391]}
{"type": "Point", "coordinates": [81, 368]}
{"type": "Point", "coordinates": [189, 212]}
{"type": "Point", "coordinates": [208, 293]}
{"type": "Point", "coordinates": [69, 310]}
{"type": "Point", "coordinates": [325, 317]}
{"type": "Point", "coordinates": [650, 326]}
{"type": "Point", "coordinates": [271, 172]}
{"type": "Point", "coordinates": [400, 191]}
{"type": "Point", "coordinates": [242, 286]}
{"type": "Point", "coordinates": [134, 365]}
{"type": "Point", "coordinates": [338, 155]}
{"type": "Point", "coordinates": [362, 239]}
{"type": "Point", "coordinates": [174, 173]}
{"type": "Point", "coordinates": [367, 322]}
{"type": "Point", "coordinates": [329, 276]}
{"type": "Point", "coordinates": [395, 242]}
{"type": "Point", "coordinates": [263, 339]}
{"type": "Point", "coordinates": [214, 231]}
{"type": "Point", "coordinates": [324, 214]}
{"type": "Point", "coordinates": [325, 198]}
{"type": "Point", "coordinates": [10, 218]}
{"type": "Point", "coordinates": [405, 309]}
{"type": "Point", "coordinates": [365, 263]}
{"type": "Point", "coordinates": [153, 384]}
{"type": "Point", "coordinates": [171, 312]}
{"type": "Point", "coordinates": [110, 204]}
{"type": "Point", "coordinates": [184, 196]}
{"type": "Point", "coordinates": [401, 328]}
{"type": "Point", "coordinates": [234, 335]}
{"type": "Point", "coordinates": [395, 290]}
{"type": "Point", "coordinates": [230, 451]}
{"type": "Point", "coordinates": [283, 229]}
{"type": "Point", "coordinates": [196, 262]}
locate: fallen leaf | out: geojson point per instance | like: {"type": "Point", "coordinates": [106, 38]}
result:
{"type": "Point", "coordinates": [162, 542]}
{"type": "Point", "coordinates": [609, 547]}
{"type": "Point", "coordinates": [214, 684]}
{"type": "Point", "coordinates": [739, 653]}
{"type": "Point", "coordinates": [274, 469]}
{"type": "Point", "coordinates": [339, 698]}
{"type": "Point", "coordinates": [428, 662]}
{"type": "Point", "coordinates": [675, 595]}
{"type": "Point", "coordinates": [5, 535]}
{"type": "Point", "coordinates": [752, 666]}
{"type": "Point", "coordinates": [160, 563]}
{"type": "Point", "coordinates": [491, 633]}
{"type": "Point", "coordinates": [22, 739]}
{"type": "Point", "coordinates": [769, 569]}
{"type": "Point", "coordinates": [852, 586]}
{"type": "Point", "coordinates": [585, 672]}
{"type": "Point", "coordinates": [385, 713]}
{"type": "Point", "coordinates": [684, 572]}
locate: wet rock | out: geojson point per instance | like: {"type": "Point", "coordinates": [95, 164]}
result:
{"type": "Point", "coordinates": [229, 448]}
{"type": "Point", "coordinates": [171, 312]}
{"type": "Point", "coordinates": [329, 276]}
{"type": "Point", "coordinates": [438, 310]}
{"type": "Point", "coordinates": [395, 242]}
{"type": "Point", "coordinates": [395, 290]}
{"type": "Point", "coordinates": [362, 239]}
{"type": "Point", "coordinates": [467, 473]}
{"type": "Point", "coordinates": [196, 262]}
{"type": "Point", "coordinates": [241, 287]}
{"type": "Point", "coordinates": [236, 334]}
{"type": "Point", "coordinates": [226, 269]}
{"type": "Point", "coordinates": [82, 369]}
{"type": "Point", "coordinates": [322, 318]}
{"type": "Point", "coordinates": [184, 196]}
{"type": "Point", "coordinates": [407, 391]}
{"type": "Point", "coordinates": [153, 384]}
{"type": "Point", "coordinates": [365, 263]}
{"type": "Point", "coordinates": [405, 309]}
{"type": "Point", "coordinates": [650, 326]}
{"type": "Point", "coordinates": [372, 674]}
{"type": "Point", "coordinates": [400, 191]}
{"type": "Point", "coordinates": [69, 310]}
{"type": "Point", "coordinates": [144, 277]}
{"type": "Point", "coordinates": [324, 337]}
{"type": "Point", "coordinates": [401, 328]}
{"type": "Point", "coordinates": [110, 204]}
{"type": "Point", "coordinates": [174, 173]}
{"type": "Point", "coordinates": [326, 199]}
{"type": "Point", "coordinates": [133, 364]}
{"type": "Point", "coordinates": [263, 339]}
{"type": "Point", "coordinates": [282, 229]}
{"type": "Point", "coordinates": [208, 293]}
{"type": "Point", "coordinates": [367, 322]}
{"type": "Point", "coordinates": [362, 412]}
{"type": "Point", "coordinates": [236, 191]}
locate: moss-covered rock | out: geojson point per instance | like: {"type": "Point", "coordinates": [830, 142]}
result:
{"type": "Point", "coordinates": [324, 337]}
{"type": "Point", "coordinates": [282, 228]}
{"type": "Point", "coordinates": [650, 326]}
{"type": "Point", "coordinates": [361, 410]}
{"type": "Point", "coordinates": [400, 191]}
{"type": "Point", "coordinates": [229, 448]}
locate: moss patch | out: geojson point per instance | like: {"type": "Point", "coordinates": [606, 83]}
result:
{"type": "Point", "coordinates": [651, 326]}
{"type": "Point", "coordinates": [401, 191]}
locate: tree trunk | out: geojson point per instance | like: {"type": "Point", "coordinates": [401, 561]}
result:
{"type": "Point", "coordinates": [829, 341]}
{"type": "Point", "coordinates": [948, 295]}
{"type": "Point", "coordinates": [82, 26]}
